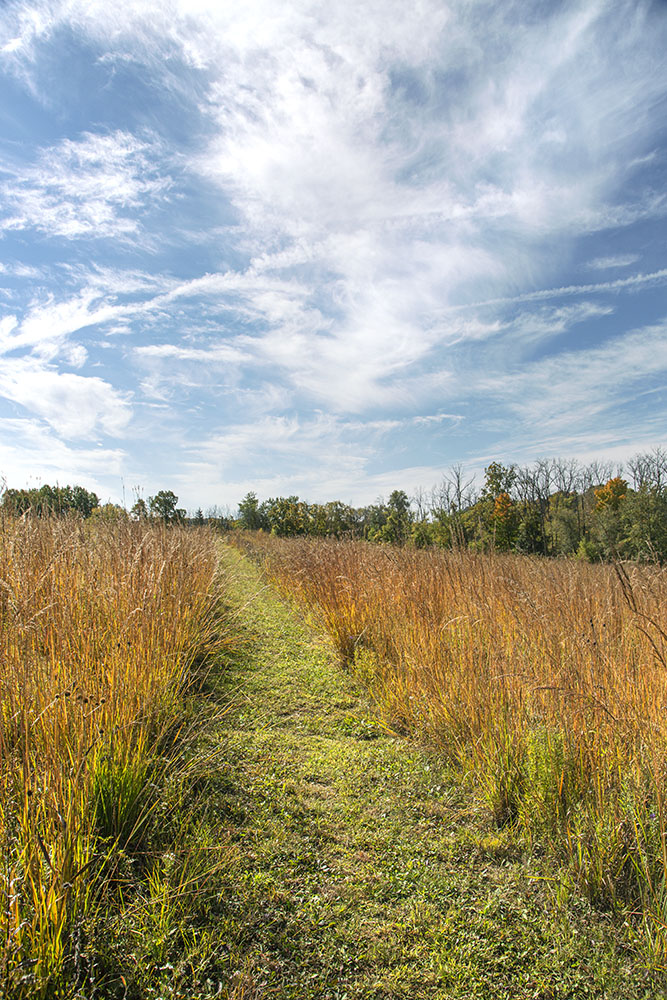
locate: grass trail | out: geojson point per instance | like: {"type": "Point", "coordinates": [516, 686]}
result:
{"type": "Point", "coordinates": [361, 869]}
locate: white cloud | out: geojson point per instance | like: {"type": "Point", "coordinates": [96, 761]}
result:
{"type": "Point", "coordinates": [7, 326]}
{"type": "Point", "coordinates": [539, 326]}
{"type": "Point", "coordinates": [437, 418]}
{"type": "Point", "coordinates": [634, 283]}
{"type": "Point", "coordinates": [74, 405]}
{"type": "Point", "coordinates": [319, 442]}
{"type": "Point", "coordinates": [31, 454]}
{"type": "Point", "coordinates": [301, 440]}
{"type": "Point", "coordinates": [46, 327]}
{"type": "Point", "coordinates": [22, 271]}
{"type": "Point", "coordinates": [527, 327]}
{"type": "Point", "coordinates": [585, 387]}
{"type": "Point", "coordinates": [617, 260]}
{"type": "Point", "coordinates": [94, 186]}
{"type": "Point", "coordinates": [217, 354]}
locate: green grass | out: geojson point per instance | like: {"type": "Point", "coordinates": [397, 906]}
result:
{"type": "Point", "coordinates": [357, 866]}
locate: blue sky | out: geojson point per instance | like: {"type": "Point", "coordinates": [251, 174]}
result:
{"type": "Point", "coordinates": [328, 249]}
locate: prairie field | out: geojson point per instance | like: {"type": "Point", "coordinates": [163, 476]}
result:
{"type": "Point", "coordinates": [544, 681]}
{"type": "Point", "coordinates": [103, 629]}
{"type": "Point", "coordinates": [172, 831]}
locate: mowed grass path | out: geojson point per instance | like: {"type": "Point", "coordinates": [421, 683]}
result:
{"type": "Point", "coordinates": [361, 868]}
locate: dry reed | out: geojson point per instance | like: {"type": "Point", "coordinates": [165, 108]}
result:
{"type": "Point", "coordinates": [99, 628]}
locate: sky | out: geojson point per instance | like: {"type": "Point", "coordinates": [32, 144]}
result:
{"type": "Point", "coordinates": [328, 249]}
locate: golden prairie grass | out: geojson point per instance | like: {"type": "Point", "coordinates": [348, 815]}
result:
{"type": "Point", "coordinates": [100, 626]}
{"type": "Point", "coordinates": [545, 680]}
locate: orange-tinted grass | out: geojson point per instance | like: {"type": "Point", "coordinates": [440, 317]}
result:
{"type": "Point", "coordinates": [99, 628]}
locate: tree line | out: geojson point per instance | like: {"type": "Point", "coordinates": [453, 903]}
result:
{"type": "Point", "coordinates": [553, 507]}
{"type": "Point", "coordinates": [56, 501]}
{"type": "Point", "coordinates": [52, 501]}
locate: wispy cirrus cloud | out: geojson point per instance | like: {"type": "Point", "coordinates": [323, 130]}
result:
{"type": "Point", "coordinates": [45, 330]}
{"type": "Point", "coordinates": [217, 354]}
{"type": "Point", "coordinates": [596, 383]}
{"type": "Point", "coordinates": [635, 282]}
{"type": "Point", "coordinates": [94, 186]}
{"type": "Point", "coordinates": [616, 260]}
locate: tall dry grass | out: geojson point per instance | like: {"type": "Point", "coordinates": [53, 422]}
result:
{"type": "Point", "coordinates": [545, 679]}
{"type": "Point", "coordinates": [100, 627]}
